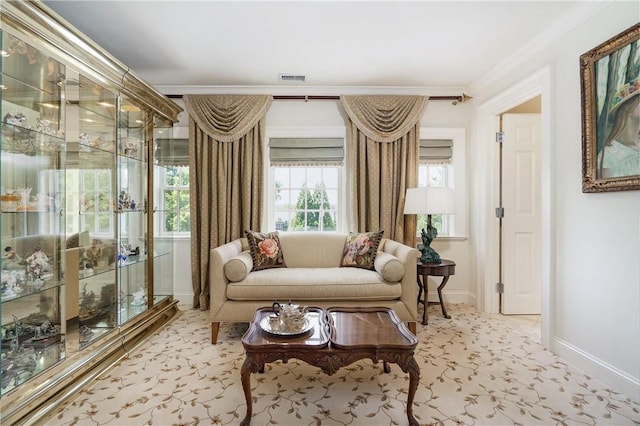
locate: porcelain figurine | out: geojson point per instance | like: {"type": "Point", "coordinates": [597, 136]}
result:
{"type": "Point", "coordinates": [16, 119]}
{"type": "Point", "coordinates": [122, 255]}
{"type": "Point", "coordinates": [94, 252]}
{"type": "Point", "coordinates": [37, 264]}
{"type": "Point", "coordinates": [139, 297]}
{"type": "Point", "coordinates": [88, 270]}
{"type": "Point", "coordinates": [11, 260]}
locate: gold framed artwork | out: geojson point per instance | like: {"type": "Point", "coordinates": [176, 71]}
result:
{"type": "Point", "coordinates": [610, 89]}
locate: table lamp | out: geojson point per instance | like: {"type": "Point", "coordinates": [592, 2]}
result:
{"type": "Point", "coordinates": [429, 200]}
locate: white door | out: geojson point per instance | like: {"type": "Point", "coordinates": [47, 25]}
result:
{"type": "Point", "coordinates": [521, 226]}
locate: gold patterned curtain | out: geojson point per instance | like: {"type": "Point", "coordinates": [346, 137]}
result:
{"type": "Point", "coordinates": [225, 175]}
{"type": "Point", "coordinates": [383, 147]}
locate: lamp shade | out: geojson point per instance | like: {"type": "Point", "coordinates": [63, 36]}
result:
{"type": "Point", "coordinates": [429, 200]}
{"type": "Point", "coordinates": [415, 201]}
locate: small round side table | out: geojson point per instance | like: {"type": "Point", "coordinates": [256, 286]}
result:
{"type": "Point", "coordinates": [443, 269]}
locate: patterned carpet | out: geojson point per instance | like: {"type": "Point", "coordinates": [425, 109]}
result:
{"type": "Point", "coordinates": [475, 370]}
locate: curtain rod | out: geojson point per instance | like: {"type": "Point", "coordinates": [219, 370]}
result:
{"type": "Point", "coordinates": [454, 99]}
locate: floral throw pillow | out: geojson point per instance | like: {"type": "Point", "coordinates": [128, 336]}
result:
{"type": "Point", "coordinates": [360, 249]}
{"type": "Point", "coordinates": [265, 250]}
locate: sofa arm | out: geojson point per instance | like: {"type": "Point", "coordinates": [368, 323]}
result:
{"type": "Point", "coordinates": [409, 257]}
{"type": "Point", "coordinates": [217, 278]}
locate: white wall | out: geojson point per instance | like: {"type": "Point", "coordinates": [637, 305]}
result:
{"type": "Point", "coordinates": [299, 114]}
{"type": "Point", "coordinates": [595, 238]}
{"type": "Point", "coordinates": [461, 287]}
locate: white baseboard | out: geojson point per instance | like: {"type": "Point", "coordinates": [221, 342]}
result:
{"type": "Point", "coordinates": [184, 299]}
{"type": "Point", "coordinates": [454, 297]}
{"type": "Point", "coordinates": [622, 382]}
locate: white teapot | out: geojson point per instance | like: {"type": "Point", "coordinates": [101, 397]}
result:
{"type": "Point", "coordinates": [291, 316]}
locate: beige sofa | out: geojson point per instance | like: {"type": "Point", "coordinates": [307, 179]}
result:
{"type": "Point", "coordinates": [313, 277]}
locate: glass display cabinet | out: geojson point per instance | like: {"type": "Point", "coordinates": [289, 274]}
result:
{"type": "Point", "coordinates": [32, 156]}
{"type": "Point", "coordinates": [76, 175]}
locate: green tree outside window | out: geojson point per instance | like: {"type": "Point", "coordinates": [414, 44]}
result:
{"type": "Point", "coordinates": [310, 205]}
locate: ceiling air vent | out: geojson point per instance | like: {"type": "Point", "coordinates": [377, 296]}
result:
{"type": "Point", "coordinates": [291, 77]}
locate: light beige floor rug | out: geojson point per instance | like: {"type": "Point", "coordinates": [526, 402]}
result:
{"type": "Point", "coordinates": [476, 369]}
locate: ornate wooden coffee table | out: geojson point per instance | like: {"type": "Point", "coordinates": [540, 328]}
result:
{"type": "Point", "coordinates": [339, 337]}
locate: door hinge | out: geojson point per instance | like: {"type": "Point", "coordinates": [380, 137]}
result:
{"type": "Point", "coordinates": [500, 288]}
{"type": "Point", "coordinates": [500, 137]}
{"type": "Point", "coordinates": [500, 212]}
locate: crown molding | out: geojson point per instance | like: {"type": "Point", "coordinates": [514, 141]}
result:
{"type": "Point", "coordinates": [565, 24]}
{"type": "Point", "coordinates": [302, 89]}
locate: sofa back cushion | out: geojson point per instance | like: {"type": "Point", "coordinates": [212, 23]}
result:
{"type": "Point", "coordinates": [312, 249]}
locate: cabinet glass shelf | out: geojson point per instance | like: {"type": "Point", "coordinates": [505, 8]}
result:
{"type": "Point", "coordinates": [30, 142]}
{"type": "Point", "coordinates": [132, 260]}
{"type": "Point", "coordinates": [95, 272]}
{"type": "Point", "coordinates": [31, 288]}
{"type": "Point", "coordinates": [21, 96]}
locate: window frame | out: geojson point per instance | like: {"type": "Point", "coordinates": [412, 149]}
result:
{"type": "Point", "coordinates": [160, 187]}
{"type": "Point", "coordinates": [457, 177]}
{"type": "Point", "coordinates": [268, 223]}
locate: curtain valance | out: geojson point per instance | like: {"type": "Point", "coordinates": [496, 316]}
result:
{"type": "Point", "coordinates": [384, 118]}
{"type": "Point", "coordinates": [226, 118]}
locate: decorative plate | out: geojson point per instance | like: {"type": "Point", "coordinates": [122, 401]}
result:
{"type": "Point", "coordinates": [264, 325]}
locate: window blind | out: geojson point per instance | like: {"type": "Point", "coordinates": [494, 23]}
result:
{"type": "Point", "coordinates": [436, 151]}
{"type": "Point", "coordinates": [306, 151]}
{"type": "Point", "coordinates": [172, 152]}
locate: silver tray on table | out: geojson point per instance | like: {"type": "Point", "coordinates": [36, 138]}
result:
{"type": "Point", "coordinates": [264, 325]}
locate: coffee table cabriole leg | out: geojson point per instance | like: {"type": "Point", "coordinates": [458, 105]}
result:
{"type": "Point", "coordinates": [249, 366]}
{"type": "Point", "coordinates": [407, 364]}
{"type": "Point", "coordinates": [414, 376]}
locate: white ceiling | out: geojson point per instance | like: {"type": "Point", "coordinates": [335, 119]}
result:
{"type": "Point", "coordinates": [437, 44]}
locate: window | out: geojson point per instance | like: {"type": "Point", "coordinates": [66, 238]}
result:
{"type": "Point", "coordinates": [171, 176]}
{"type": "Point", "coordinates": [174, 199]}
{"type": "Point", "coordinates": [306, 198]}
{"type": "Point", "coordinates": [442, 164]}
{"type": "Point", "coordinates": [306, 181]}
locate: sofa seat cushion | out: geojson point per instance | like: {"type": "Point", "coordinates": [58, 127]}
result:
{"type": "Point", "coordinates": [300, 284]}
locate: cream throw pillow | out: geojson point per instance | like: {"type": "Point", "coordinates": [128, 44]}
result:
{"type": "Point", "coordinates": [389, 267]}
{"type": "Point", "coordinates": [237, 268]}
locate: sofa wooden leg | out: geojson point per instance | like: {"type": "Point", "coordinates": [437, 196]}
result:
{"type": "Point", "coordinates": [215, 326]}
{"type": "Point", "coordinates": [412, 327]}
